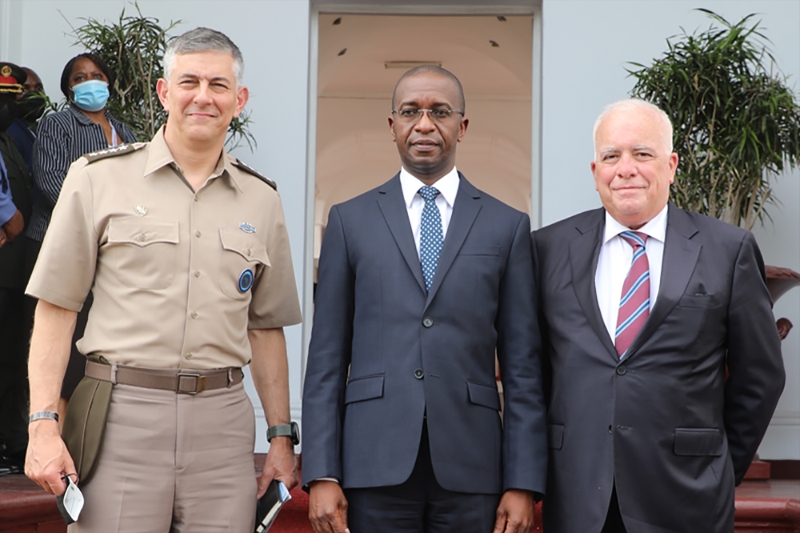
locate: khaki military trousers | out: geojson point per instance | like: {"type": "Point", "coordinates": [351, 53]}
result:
{"type": "Point", "coordinates": [173, 463]}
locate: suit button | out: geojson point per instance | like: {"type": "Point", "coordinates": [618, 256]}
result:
{"type": "Point", "coordinates": [427, 322]}
{"type": "Point", "coordinates": [622, 370]}
{"type": "Point", "coordinates": [418, 373]}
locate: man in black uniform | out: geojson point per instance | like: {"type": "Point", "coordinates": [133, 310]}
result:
{"type": "Point", "coordinates": [15, 180]}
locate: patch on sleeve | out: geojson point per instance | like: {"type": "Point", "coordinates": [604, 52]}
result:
{"type": "Point", "coordinates": [250, 170]}
{"type": "Point", "coordinates": [122, 149]}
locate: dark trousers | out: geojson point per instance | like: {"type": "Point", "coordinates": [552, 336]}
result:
{"type": "Point", "coordinates": [13, 374]}
{"type": "Point", "coordinates": [614, 518]}
{"type": "Point", "coordinates": [420, 505]}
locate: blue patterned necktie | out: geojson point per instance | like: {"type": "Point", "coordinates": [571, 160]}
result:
{"type": "Point", "coordinates": [430, 235]}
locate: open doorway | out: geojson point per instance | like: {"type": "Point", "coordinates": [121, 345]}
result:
{"type": "Point", "coordinates": [360, 58]}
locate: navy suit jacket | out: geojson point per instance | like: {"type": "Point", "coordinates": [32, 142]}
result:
{"type": "Point", "coordinates": [663, 425]}
{"type": "Point", "coordinates": [384, 353]}
{"type": "Point", "coordinates": [23, 139]}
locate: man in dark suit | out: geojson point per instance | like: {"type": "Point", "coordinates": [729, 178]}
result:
{"type": "Point", "coordinates": [420, 281]}
{"type": "Point", "coordinates": [643, 307]}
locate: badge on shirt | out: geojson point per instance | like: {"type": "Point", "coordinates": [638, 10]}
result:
{"type": "Point", "coordinates": [246, 280]}
{"type": "Point", "coordinates": [247, 228]}
{"type": "Point", "coordinates": [140, 210]}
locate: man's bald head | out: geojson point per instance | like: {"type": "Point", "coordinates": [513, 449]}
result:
{"type": "Point", "coordinates": [437, 71]}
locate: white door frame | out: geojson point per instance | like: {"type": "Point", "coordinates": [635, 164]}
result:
{"type": "Point", "coordinates": [398, 7]}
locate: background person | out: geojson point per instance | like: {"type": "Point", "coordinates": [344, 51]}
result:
{"type": "Point", "coordinates": [14, 341]}
{"type": "Point", "coordinates": [30, 108]}
{"type": "Point", "coordinates": [33, 84]}
{"type": "Point", "coordinates": [15, 212]}
{"type": "Point", "coordinates": [62, 137]}
{"type": "Point", "coordinates": [643, 307]}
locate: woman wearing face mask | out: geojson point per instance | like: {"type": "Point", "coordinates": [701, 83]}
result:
{"type": "Point", "coordinates": [62, 137]}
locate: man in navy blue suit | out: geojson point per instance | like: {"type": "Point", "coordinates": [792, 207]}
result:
{"type": "Point", "coordinates": [421, 281]}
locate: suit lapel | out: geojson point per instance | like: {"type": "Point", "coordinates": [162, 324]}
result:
{"type": "Point", "coordinates": [680, 258]}
{"type": "Point", "coordinates": [392, 205]}
{"type": "Point", "coordinates": [584, 253]}
{"type": "Point", "coordinates": [465, 210]}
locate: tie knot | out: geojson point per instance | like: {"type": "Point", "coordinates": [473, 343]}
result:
{"type": "Point", "coordinates": [428, 193]}
{"type": "Point", "coordinates": [634, 238]}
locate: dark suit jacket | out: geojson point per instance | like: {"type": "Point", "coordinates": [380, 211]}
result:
{"type": "Point", "coordinates": [23, 139]}
{"type": "Point", "coordinates": [412, 354]}
{"type": "Point", "coordinates": [663, 425]}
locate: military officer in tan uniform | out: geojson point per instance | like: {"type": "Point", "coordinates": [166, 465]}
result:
{"type": "Point", "coordinates": [186, 251]}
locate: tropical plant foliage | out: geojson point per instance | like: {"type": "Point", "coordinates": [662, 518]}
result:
{"type": "Point", "coordinates": [736, 123]}
{"type": "Point", "coordinates": [133, 48]}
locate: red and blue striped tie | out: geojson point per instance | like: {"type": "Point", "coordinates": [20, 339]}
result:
{"type": "Point", "coordinates": [634, 303]}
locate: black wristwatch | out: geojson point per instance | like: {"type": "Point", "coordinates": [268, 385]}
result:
{"type": "Point", "coordinates": [285, 430]}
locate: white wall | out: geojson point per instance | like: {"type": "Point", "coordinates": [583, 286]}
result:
{"type": "Point", "coordinates": [587, 44]}
{"type": "Point", "coordinates": [586, 47]}
{"type": "Point", "coordinates": [273, 37]}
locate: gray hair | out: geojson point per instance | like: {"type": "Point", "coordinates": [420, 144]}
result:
{"type": "Point", "coordinates": [635, 104]}
{"type": "Point", "coordinates": [203, 40]}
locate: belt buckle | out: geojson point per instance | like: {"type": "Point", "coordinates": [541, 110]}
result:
{"type": "Point", "coordinates": [198, 386]}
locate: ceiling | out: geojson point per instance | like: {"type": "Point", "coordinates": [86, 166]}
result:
{"type": "Point", "coordinates": [461, 44]}
{"type": "Point", "coordinates": [440, 3]}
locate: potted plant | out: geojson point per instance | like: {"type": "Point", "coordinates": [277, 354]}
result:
{"type": "Point", "coordinates": [736, 124]}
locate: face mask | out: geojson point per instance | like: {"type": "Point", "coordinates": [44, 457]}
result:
{"type": "Point", "coordinates": [31, 106]}
{"type": "Point", "coordinates": [8, 112]}
{"type": "Point", "coordinates": [90, 95]}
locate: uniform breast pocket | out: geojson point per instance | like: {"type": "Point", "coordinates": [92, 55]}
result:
{"type": "Point", "coordinates": [144, 253]}
{"type": "Point", "coordinates": [242, 257]}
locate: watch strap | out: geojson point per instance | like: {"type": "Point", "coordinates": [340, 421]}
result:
{"type": "Point", "coordinates": [283, 430]}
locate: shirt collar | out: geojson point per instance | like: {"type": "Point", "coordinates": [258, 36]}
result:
{"type": "Point", "coordinates": [161, 156]}
{"type": "Point", "coordinates": [655, 229]}
{"type": "Point", "coordinates": [81, 117]}
{"type": "Point", "coordinates": [447, 186]}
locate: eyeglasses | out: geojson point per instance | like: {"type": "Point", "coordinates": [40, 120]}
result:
{"type": "Point", "coordinates": [412, 114]}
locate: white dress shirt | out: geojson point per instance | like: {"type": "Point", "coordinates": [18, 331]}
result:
{"type": "Point", "coordinates": [447, 186]}
{"type": "Point", "coordinates": [615, 262]}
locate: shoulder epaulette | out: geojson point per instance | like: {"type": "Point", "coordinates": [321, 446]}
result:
{"type": "Point", "coordinates": [113, 152]}
{"type": "Point", "coordinates": [250, 170]}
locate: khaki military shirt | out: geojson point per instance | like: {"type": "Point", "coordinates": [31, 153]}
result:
{"type": "Point", "coordinates": [178, 276]}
